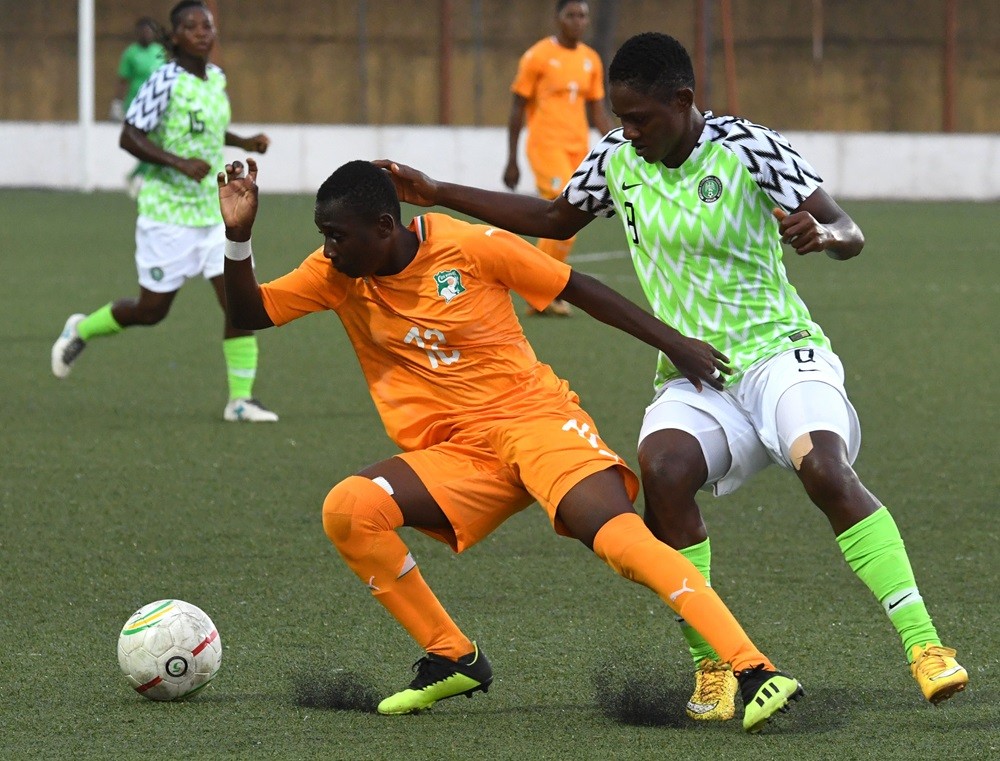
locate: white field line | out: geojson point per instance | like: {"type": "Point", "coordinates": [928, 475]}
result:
{"type": "Point", "coordinates": [603, 256]}
{"type": "Point", "coordinates": [599, 256]}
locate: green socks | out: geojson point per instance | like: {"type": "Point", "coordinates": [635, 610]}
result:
{"type": "Point", "coordinates": [700, 556]}
{"type": "Point", "coordinates": [874, 550]}
{"type": "Point", "coordinates": [241, 365]}
{"type": "Point", "coordinates": [99, 323]}
{"type": "Point", "coordinates": [240, 353]}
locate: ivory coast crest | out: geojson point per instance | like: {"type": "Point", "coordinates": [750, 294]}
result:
{"type": "Point", "coordinates": [449, 284]}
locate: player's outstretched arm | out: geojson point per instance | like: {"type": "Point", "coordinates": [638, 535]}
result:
{"type": "Point", "coordinates": [525, 215]}
{"type": "Point", "coordinates": [697, 361]}
{"type": "Point", "coordinates": [257, 143]}
{"type": "Point", "coordinates": [238, 203]}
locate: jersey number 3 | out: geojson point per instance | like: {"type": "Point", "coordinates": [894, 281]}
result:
{"type": "Point", "coordinates": [630, 222]}
{"type": "Point", "coordinates": [429, 342]}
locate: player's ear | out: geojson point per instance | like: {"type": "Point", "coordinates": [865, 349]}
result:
{"type": "Point", "coordinates": [684, 98]}
{"type": "Point", "coordinates": [386, 225]}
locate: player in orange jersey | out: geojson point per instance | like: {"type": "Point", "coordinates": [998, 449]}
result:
{"type": "Point", "coordinates": [485, 428]}
{"type": "Point", "coordinates": [559, 87]}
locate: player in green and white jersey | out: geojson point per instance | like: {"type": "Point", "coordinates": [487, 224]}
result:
{"type": "Point", "coordinates": [138, 61]}
{"type": "Point", "coordinates": [706, 203]}
{"type": "Point", "coordinates": [178, 123]}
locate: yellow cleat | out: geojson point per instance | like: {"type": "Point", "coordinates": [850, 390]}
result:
{"type": "Point", "coordinates": [714, 696]}
{"type": "Point", "coordinates": [937, 672]}
{"type": "Point", "coordinates": [439, 678]}
{"type": "Point", "coordinates": [764, 694]}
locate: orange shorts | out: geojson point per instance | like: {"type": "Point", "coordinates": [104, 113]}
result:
{"type": "Point", "coordinates": [553, 166]}
{"type": "Point", "coordinates": [482, 477]}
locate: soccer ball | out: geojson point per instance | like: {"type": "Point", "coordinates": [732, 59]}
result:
{"type": "Point", "coordinates": [169, 650]}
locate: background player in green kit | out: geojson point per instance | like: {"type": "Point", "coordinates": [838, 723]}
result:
{"type": "Point", "coordinates": [706, 203]}
{"type": "Point", "coordinates": [140, 59]}
{"type": "Point", "coordinates": [137, 62]}
{"type": "Point", "coordinates": [178, 122]}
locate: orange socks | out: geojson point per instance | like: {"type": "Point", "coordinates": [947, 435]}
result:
{"type": "Point", "coordinates": [361, 519]}
{"type": "Point", "coordinates": [632, 551]}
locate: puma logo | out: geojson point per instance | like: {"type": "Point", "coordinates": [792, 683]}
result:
{"type": "Point", "coordinates": [373, 588]}
{"type": "Point", "coordinates": [684, 588]}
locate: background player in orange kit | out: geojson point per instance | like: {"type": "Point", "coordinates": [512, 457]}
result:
{"type": "Point", "coordinates": [485, 428]}
{"type": "Point", "coordinates": [559, 87]}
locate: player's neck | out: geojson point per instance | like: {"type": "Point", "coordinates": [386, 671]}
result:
{"type": "Point", "coordinates": [192, 64]}
{"type": "Point", "coordinates": [566, 42]}
{"type": "Point", "coordinates": [686, 144]}
{"type": "Point", "coordinates": [404, 251]}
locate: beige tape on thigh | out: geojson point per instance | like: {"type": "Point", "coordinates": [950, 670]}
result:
{"type": "Point", "coordinates": [801, 447]}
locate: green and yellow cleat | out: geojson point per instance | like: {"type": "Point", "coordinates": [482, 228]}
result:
{"type": "Point", "coordinates": [439, 678]}
{"type": "Point", "coordinates": [714, 696]}
{"type": "Point", "coordinates": [764, 694]}
{"type": "Point", "coordinates": [937, 672]}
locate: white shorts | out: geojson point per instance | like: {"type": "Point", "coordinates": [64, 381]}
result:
{"type": "Point", "coordinates": [776, 401]}
{"type": "Point", "coordinates": [166, 255]}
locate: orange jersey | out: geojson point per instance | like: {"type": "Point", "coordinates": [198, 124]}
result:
{"type": "Point", "coordinates": [439, 343]}
{"type": "Point", "coordinates": [557, 82]}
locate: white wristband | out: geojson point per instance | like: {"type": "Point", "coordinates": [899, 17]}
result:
{"type": "Point", "coordinates": [238, 250]}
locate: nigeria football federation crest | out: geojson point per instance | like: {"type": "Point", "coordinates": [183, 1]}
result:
{"type": "Point", "coordinates": [449, 284]}
{"type": "Point", "coordinates": [710, 189]}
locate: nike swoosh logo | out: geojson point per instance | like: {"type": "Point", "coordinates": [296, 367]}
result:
{"type": "Point", "coordinates": [626, 186]}
{"type": "Point", "coordinates": [894, 604]}
{"type": "Point", "coordinates": [947, 673]}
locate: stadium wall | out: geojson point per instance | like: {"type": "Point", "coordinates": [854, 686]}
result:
{"type": "Point", "coordinates": [853, 165]}
{"type": "Point", "coordinates": [828, 66]}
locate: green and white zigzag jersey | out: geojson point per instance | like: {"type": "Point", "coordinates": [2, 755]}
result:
{"type": "Point", "coordinates": [703, 239]}
{"type": "Point", "coordinates": [187, 116]}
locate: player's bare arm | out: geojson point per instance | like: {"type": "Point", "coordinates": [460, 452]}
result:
{"type": "Point", "coordinates": [819, 224]}
{"type": "Point", "coordinates": [525, 215]}
{"type": "Point", "coordinates": [515, 122]}
{"type": "Point", "coordinates": [238, 204]}
{"type": "Point", "coordinates": [136, 142]}
{"type": "Point", "coordinates": [698, 361]}
{"type": "Point", "coordinates": [257, 143]}
{"type": "Point", "coordinates": [597, 115]}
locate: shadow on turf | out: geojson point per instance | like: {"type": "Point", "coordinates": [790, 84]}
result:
{"type": "Point", "coordinates": [342, 691]}
{"type": "Point", "coordinates": [636, 695]}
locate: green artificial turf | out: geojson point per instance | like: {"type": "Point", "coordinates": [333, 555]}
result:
{"type": "Point", "coordinates": [122, 485]}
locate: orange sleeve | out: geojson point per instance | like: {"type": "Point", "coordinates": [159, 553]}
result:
{"type": "Point", "coordinates": [512, 262]}
{"type": "Point", "coordinates": [526, 80]}
{"type": "Point", "coordinates": [310, 287]}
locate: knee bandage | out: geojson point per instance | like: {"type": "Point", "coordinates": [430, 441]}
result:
{"type": "Point", "coordinates": [360, 517]}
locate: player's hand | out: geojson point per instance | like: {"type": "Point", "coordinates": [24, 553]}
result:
{"type": "Point", "coordinates": [196, 169]}
{"type": "Point", "coordinates": [412, 186]}
{"type": "Point", "coordinates": [699, 362]}
{"type": "Point", "coordinates": [257, 143]}
{"type": "Point", "coordinates": [511, 175]}
{"type": "Point", "coordinates": [802, 232]}
{"type": "Point", "coordinates": [238, 199]}
{"type": "Point", "coordinates": [116, 111]}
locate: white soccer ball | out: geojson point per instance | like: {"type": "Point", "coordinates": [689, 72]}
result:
{"type": "Point", "coordinates": [169, 650]}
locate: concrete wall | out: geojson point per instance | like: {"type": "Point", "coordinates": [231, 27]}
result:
{"type": "Point", "coordinates": [879, 67]}
{"type": "Point", "coordinates": [853, 165]}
